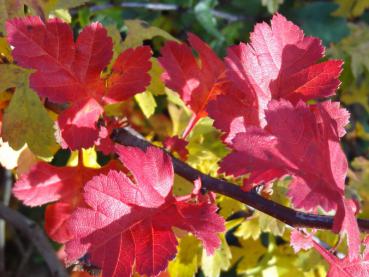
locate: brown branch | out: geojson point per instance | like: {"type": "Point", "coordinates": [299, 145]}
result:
{"type": "Point", "coordinates": [35, 234]}
{"type": "Point", "coordinates": [289, 216]}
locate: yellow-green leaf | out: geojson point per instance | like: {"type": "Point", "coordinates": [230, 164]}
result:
{"type": "Point", "coordinates": [51, 5]}
{"type": "Point", "coordinates": [25, 114]}
{"type": "Point", "coordinates": [351, 8]}
{"type": "Point", "coordinates": [147, 103]}
{"type": "Point", "coordinates": [114, 33]}
{"type": "Point", "coordinates": [156, 86]}
{"type": "Point", "coordinates": [9, 9]}
{"type": "Point", "coordinates": [139, 30]}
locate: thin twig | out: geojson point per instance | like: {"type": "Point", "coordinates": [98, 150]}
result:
{"type": "Point", "coordinates": [168, 7]}
{"type": "Point", "coordinates": [289, 216]}
{"type": "Point", "coordinates": [8, 181]}
{"type": "Point", "coordinates": [35, 234]}
{"type": "Point", "coordinates": [26, 255]}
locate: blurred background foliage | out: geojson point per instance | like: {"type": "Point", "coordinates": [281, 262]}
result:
{"type": "Point", "coordinates": [255, 244]}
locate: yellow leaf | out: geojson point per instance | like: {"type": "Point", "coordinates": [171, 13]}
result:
{"type": "Point", "coordinates": [179, 119]}
{"type": "Point", "coordinates": [182, 186]}
{"type": "Point", "coordinates": [62, 14]}
{"type": "Point", "coordinates": [5, 49]}
{"type": "Point", "coordinates": [229, 206]}
{"type": "Point", "coordinates": [249, 229]}
{"type": "Point", "coordinates": [187, 260]}
{"type": "Point", "coordinates": [270, 224]}
{"type": "Point", "coordinates": [247, 255]}
{"type": "Point", "coordinates": [147, 103]}
{"type": "Point", "coordinates": [220, 260]}
{"type": "Point", "coordinates": [89, 157]}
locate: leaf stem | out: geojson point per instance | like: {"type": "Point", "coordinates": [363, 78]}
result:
{"type": "Point", "coordinates": [191, 124]}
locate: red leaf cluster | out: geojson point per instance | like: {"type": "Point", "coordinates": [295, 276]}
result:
{"type": "Point", "coordinates": [126, 224]}
{"type": "Point", "coordinates": [70, 72]}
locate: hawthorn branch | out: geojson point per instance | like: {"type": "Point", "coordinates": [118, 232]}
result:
{"type": "Point", "coordinates": [129, 137]}
{"type": "Point", "coordinates": [35, 234]}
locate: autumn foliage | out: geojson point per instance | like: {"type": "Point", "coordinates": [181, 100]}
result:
{"type": "Point", "coordinates": [269, 99]}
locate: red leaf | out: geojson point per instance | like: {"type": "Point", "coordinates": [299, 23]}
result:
{"type": "Point", "coordinates": [196, 81]}
{"type": "Point", "coordinates": [46, 183]}
{"type": "Point", "coordinates": [130, 224]}
{"type": "Point", "coordinates": [301, 241]}
{"type": "Point", "coordinates": [68, 71]}
{"type": "Point", "coordinates": [78, 124]}
{"type": "Point", "coordinates": [129, 74]}
{"type": "Point", "coordinates": [345, 222]}
{"type": "Point", "coordinates": [299, 141]}
{"type": "Point", "coordinates": [279, 62]}
{"type": "Point", "coordinates": [346, 267]}
{"type": "Point", "coordinates": [175, 144]}
{"type": "Point", "coordinates": [64, 68]}
{"type": "Point", "coordinates": [56, 218]}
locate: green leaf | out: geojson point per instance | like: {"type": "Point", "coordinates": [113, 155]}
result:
{"type": "Point", "coordinates": [272, 5]}
{"type": "Point", "coordinates": [316, 20]}
{"type": "Point", "coordinates": [203, 13]}
{"type": "Point", "coordinates": [25, 114]}
{"type": "Point", "coordinates": [139, 30]}
{"type": "Point", "coordinates": [356, 47]}
{"type": "Point", "coordinates": [220, 260]}
{"type": "Point", "coordinates": [357, 94]}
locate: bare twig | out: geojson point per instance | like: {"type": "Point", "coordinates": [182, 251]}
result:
{"type": "Point", "coordinates": [8, 180]}
{"type": "Point", "coordinates": [26, 255]}
{"type": "Point", "coordinates": [168, 7]}
{"type": "Point", "coordinates": [289, 216]}
{"type": "Point", "coordinates": [35, 234]}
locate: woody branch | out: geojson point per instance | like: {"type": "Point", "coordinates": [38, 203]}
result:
{"type": "Point", "coordinates": [129, 137]}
